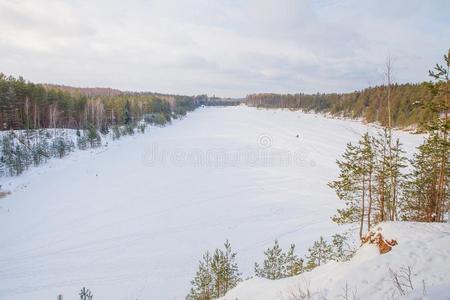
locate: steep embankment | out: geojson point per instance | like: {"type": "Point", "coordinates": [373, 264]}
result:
{"type": "Point", "coordinates": [419, 262]}
{"type": "Point", "coordinates": [408, 101]}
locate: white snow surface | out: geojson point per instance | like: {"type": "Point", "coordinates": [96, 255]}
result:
{"type": "Point", "coordinates": [424, 247]}
{"type": "Point", "coordinates": [131, 220]}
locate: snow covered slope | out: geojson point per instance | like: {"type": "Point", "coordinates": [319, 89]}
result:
{"type": "Point", "coordinates": [424, 248]}
{"type": "Point", "coordinates": [131, 221]}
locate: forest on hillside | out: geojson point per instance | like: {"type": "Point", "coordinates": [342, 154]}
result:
{"type": "Point", "coordinates": [410, 104]}
{"type": "Point", "coordinates": [25, 105]}
{"type": "Point", "coordinates": [28, 111]}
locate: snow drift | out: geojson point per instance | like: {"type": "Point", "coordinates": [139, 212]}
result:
{"type": "Point", "coordinates": [416, 268]}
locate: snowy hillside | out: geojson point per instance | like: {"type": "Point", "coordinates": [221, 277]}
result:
{"type": "Point", "coordinates": [131, 220]}
{"type": "Point", "coordinates": [423, 247]}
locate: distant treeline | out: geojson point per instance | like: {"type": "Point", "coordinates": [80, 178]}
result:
{"type": "Point", "coordinates": [25, 105]}
{"type": "Point", "coordinates": [409, 104]}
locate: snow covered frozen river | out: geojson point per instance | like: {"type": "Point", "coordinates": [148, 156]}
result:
{"type": "Point", "coordinates": [131, 221]}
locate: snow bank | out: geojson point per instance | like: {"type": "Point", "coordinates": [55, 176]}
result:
{"type": "Point", "coordinates": [422, 247]}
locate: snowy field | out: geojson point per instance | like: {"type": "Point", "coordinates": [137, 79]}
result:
{"type": "Point", "coordinates": [131, 220]}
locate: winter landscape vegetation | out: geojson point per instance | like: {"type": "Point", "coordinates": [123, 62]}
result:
{"type": "Point", "coordinates": [291, 178]}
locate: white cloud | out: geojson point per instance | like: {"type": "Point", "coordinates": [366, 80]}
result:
{"type": "Point", "coordinates": [227, 48]}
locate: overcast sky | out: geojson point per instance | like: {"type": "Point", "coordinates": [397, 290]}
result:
{"type": "Point", "coordinates": [226, 48]}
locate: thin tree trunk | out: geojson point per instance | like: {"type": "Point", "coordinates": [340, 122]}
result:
{"type": "Point", "coordinates": [369, 209]}
{"type": "Point", "coordinates": [440, 199]}
{"type": "Point", "coordinates": [392, 187]}
{"type": "Point", "coordinates": [362, 207]}
{"type": "Point", "coordinates": [381, 192]}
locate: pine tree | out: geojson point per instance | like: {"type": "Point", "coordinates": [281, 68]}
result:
{"type": "Point", "coordinates": [292, 264]}
{"type": "Point", "coordinates": [422, 188]}
{"type": "Point", "coordinates": [142, 127]}
{"type": "Point", "coordinates": [116, 132]}
{"type": "Point", "coordinates": [341, 249]}
{"type": "Point", "coordinates": [127, 129]}
{"type": "Point", "coordinates": [40, 150]}
{"type": "Point", "coordinates": [93, 137]}
{"type": "Point", "coordinates": [427, 197]}
{"type": "Point", "coordinates": [347, 186]}
{"type": "Point", "coordinates": [59, 147]}
{"type": "Point", "coordinates": [22, 159]}
{"type": "Point", "coordinates": [11, 117]}
{"type": "Point", "coordinates": [389, 178]}
{"type": "Point", "coordinates": [202, 284]}
{"type": "Point", "coordinates": [216, 275]}
{"type": "Point", "coordinates": [320, 253]}
{"type": "Point", "coordinates": [273, 264]}
{"type": "Point", "coordinates": [8, 154]}
{"type": "Point", "coordinates": [104, 129]}
{"type": "Point", "coordinates": [369, 181]}
{"type": "Point", "coordinates": [127, 113]}
{"type": "Point", "coordinates": [278, 264]}
{"type": "Point", "coordinates": [82, 142]}
{"type": "Point", "coordinates": [367, 166]}
{"type": "Point", "coordinates": [440, 128]}
{"type": "Point", "coordinates": [225, 270]}
{"type": "Point", "coordinates": [398, 163]}
{"type": "Point", "coordinates": [354, 184]}
{"type": "Point", "coordinates": [2, 167]}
